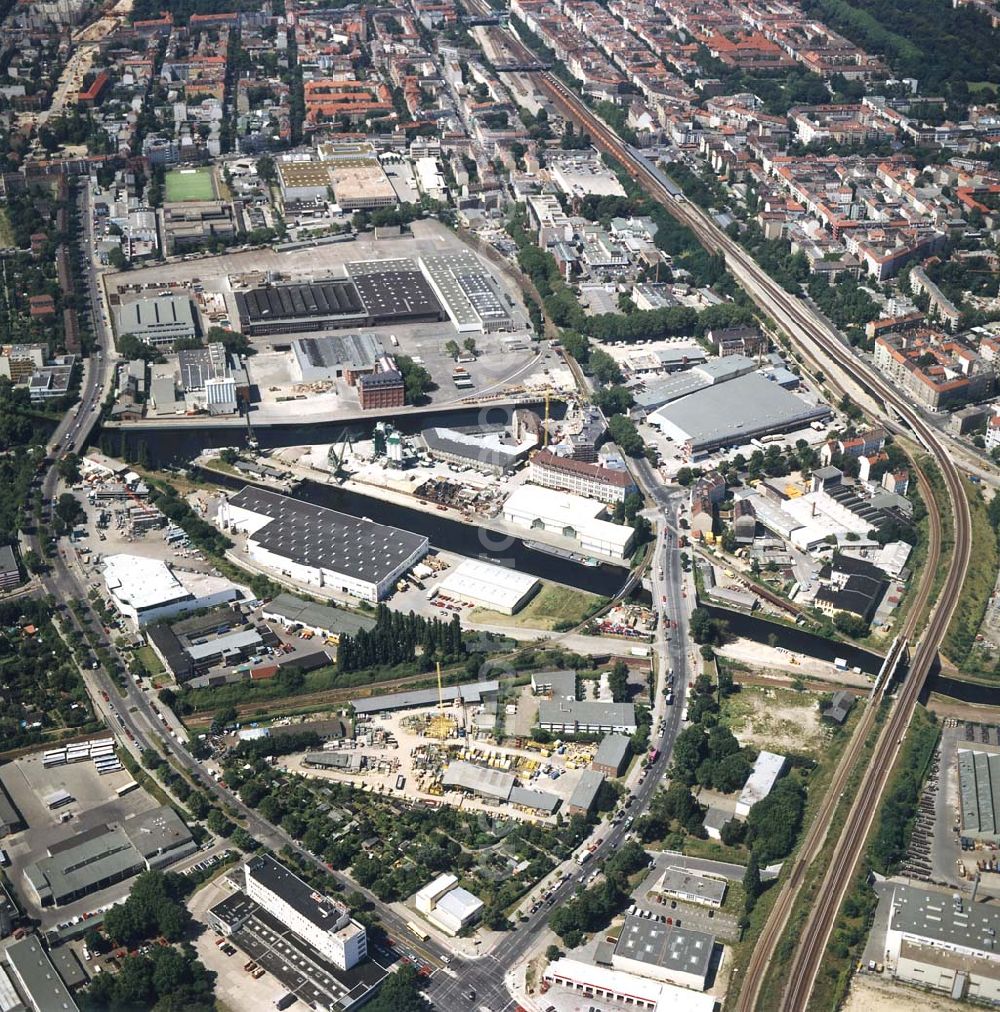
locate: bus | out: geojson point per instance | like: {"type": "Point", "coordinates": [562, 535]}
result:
{"type": "Point", "coordinates": [127, 788]}
{"type": "Point", "coordinates": [418, 931]}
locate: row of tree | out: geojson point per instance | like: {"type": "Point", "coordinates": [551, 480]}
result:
{"type": "Point", "coordinates": [395, 639]}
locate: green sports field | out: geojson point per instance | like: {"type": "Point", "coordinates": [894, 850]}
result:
{"type": "Point", "coordinates": [189, 184]}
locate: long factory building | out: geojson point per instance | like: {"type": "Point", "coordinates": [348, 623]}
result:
{"type": "Point", "coordinates": [321, 547]}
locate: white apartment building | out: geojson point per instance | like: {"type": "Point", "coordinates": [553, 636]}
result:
{"type": "Point", "coordinates": [317, 919]}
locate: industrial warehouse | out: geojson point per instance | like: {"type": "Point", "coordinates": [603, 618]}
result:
{"type": "Point", "coordinates": [733, 413]}
{"type": "Point", "coordinates": [321, 547]}
{"type": "Point", "coordinates": [373, 294]}
{"type": "Point", "coordinates": [498, 588]}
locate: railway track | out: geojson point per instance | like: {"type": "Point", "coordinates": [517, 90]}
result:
{"type": "Point", "coordinates": [821, 343]}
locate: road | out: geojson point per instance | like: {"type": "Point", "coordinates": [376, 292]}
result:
{"type": "Point", "coordinates": [486, 977]}
{"type": "Point", "coordinates": [824, 346]}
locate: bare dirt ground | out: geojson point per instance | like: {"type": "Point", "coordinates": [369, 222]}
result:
{"type": "Point", "coordinates": [776, 719]}
{"type": "Point", "coordinates": [868, 992]}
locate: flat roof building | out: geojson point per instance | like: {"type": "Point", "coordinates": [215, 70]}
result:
{"type": "Point", "coordinates": [471, 297]}
{"type": "Point", "coordinates": [324, 923]}
{"type": "Point", "coordinates": [766, 769]}
{"type": "Point", "coordinates": [145, 590]}
{"type": "Point", "coordinates": [563, 716]}
{"type": "Point", "coordinates": [733, 413]}
{"type": "Point", "coordinates": [692, 887]}
{"type": "Point", "coordinates": [584, 796]}
{"type": "Point", "coordinates": [612, 755]}
{"type": "Point", "coordinates": [664, 952]}
{"type": "Point", "coordinates": [498, 588]}
{"type": "Point", "coordinates": [36, 977]}
{"type": "Point", "coordinates": [628, 989]}
{"type": "Point", "coordinates": [569, 516]}
{"type": "Point", "coordinates": [979, 790]}
{"type": "Point", "coordinates": [158, 321]}
{"type": "Point", "coordinates": [361, 185]}
{"type": "Point", "coordinates": [447, 905]}
{"type": "Point", "coordinates": [319, 546]}
{"type": "Point", "coordinates": [942, 941]}
{"type": "Point", "coordinates": [560, 684]}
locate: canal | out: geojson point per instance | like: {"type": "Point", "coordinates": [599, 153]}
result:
{"type": "Point", "coordinates": [759, 630]}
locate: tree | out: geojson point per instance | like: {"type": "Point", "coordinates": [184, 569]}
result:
{"type": "Point", "coordinates": [623, 431]}
{"type": "Point", "coordinates": [416, 379]}
{"type": "Point", "coordinates": [751, 882]}
{"type": "Point", "coordinates": [618, 681]}
{"type": "Point", "coordinates": [400, 993]}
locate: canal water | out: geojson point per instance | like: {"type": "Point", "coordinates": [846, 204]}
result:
{"type": "Point", "coordinates": [178, 446]}
{"type": "Point", "coordinates": [798, 640]}
{"type": "Point", "coordinates": [965, 692]}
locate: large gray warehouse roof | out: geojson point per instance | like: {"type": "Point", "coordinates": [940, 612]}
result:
{"type": "Point", "coordinates": [318, 616]}
{"type": "Point", "coordinates": [316, 536]}
{"type": "Point", "coordinates": [736, 412]}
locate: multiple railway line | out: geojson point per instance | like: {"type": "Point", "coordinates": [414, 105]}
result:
{"type": "Point", "coordinates": [815, 338]}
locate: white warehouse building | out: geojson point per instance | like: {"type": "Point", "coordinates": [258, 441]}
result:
{"type": "Point", "coordinates": [320, 547]}
{"type": "Point", "coordinates": [322, 922]}
{"type": "Point", "coordinates": [569, 516]}
{"type": "Point", "coordinates": [146, 590]}
{"type": "Point", "coordinates": [499, 588]}
{"type": "Point", "coordinates": [764, 775]}
{"type": "Point", "coordinates": [447, 905]}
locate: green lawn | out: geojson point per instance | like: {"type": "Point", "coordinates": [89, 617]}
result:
{"type": "Point", "coordinates": [189, 184]}
{"type": "Point", "coordinates": [6, 232]}
{"type": "Point", "coordinates": [554, 603]}
{"type": "Point", "coordinates": [149, 660]}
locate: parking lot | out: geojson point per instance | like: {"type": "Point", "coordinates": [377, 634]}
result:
{"type": "Point", "coordinates": [95, 804]}
{"type": "Point", "coordinates": [289, 964]}
{"type": "Point", "coordinates": [689, 915]}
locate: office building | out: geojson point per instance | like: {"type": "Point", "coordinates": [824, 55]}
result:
{"type": "Point", "coordinates": [319, 920]}
{"type": "Point", "coordinates": [321, 547]}
{"type": "Point", "coordinates": [382, 389]}
{"type": "Point", "coordinates": [581, 478]}
{"type": "Point", "coordinates": [10, 572]}
{"type": "Point", "coordinates": [565, 716]}
{"type": "Point", "coordinates": [560, 684]}
{"type": "Point", "coordinates": [692, 887]}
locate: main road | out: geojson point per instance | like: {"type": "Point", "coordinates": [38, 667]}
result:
{"type": "Point", "coordinates": [822, 345]}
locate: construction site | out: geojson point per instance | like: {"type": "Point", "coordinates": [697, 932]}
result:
{"type": "Point", "coordinates": [446, 753]}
